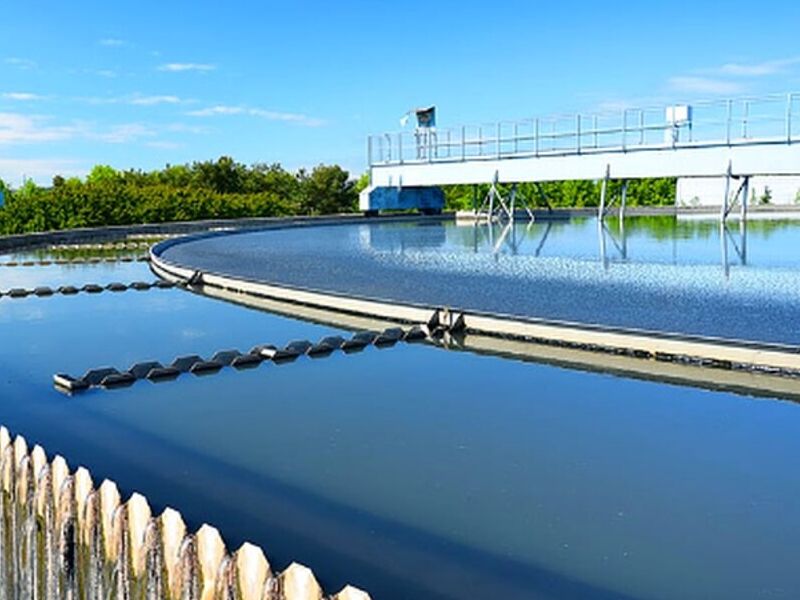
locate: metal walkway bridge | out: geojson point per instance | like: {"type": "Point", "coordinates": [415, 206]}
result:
{"type": "Point", "coordinates": [733, 138]}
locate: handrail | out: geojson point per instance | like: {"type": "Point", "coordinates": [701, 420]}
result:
{"type": "Point", "coordinates": [746, 120]}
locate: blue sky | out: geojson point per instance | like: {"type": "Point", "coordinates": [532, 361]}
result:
{"type": "Point", "coordinates": [141, 84]}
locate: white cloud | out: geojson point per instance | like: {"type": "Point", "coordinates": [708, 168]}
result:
{"type": "Point", "coordinates": [41, 170]}
{"type": "Point", "coordinates": [21, 63]}
{"type": "Point", "coordinates": [179, 67]}
{"type": "Point", "coordinates": [16, 128]}
{"type": "Point", "coordinates": [164, 145]}
{"type": "Point", "coordinates": [270, 115]}
{"type": "Point", "coordinates": [123, 134]}
{"type": "Point", "coordinates": [184, 128]}
{"type": "Point", "coordinates": [704, 85]}
{"type": "Point", "coordinates": [21, 96]}
{"type": "Point", "coordinates": [762, 69]}
{"type": "Point", "coordinates": [133, 99]}
{"type": "Point", "coordinates": [153, 100]}
{"type": "Point", "coordinates": [217, 110]}
{"type": "Point", "coordinates": [112, 42]}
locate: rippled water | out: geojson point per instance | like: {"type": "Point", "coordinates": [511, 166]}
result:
{"type": "Point", "coordinates": [648, 273]}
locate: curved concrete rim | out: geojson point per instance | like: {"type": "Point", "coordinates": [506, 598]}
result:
{"type": "Point", "coordinates": [771, 358]}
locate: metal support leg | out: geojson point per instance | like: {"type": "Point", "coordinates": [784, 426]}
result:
{"type": "Point", "coordinates": [601, 211]}
{"type": "Point", "coordinates": [724, 210]}
{"type": "Point", "coordinates": [623, 200]}
{"type": "Point", "coordinates": [513, 203]}
{"type": "Point", "coordinates": [745, 191]}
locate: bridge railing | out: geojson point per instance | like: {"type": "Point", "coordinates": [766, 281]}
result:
{"type": "Point", "coordinates": [747, 120]}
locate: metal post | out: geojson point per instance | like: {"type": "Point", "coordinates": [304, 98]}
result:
{"type": "Point", "coordinates": [400, 148]}
{"type": "Point", "coordinates": [492, 192]}
{"type": "Point", "coordinates": [744, 119]}
{"type": "Point", "coordinates": [641, 127]}
{"type": "Point", "coordinates": [601, 210]}
{"type": "Point", "coordinates": [388, 148]}
{"type": "Point", "coordinates": [516, 138]}
{"type": "Point", "coordinates": [513, 203]}
{"type": "Point", "coordinates": [743, 201]}
{"type": "Point", "coordinates": [448, 144]}
{"type": "Point", "coordinates": [594, 126]}
{"type": "Point", "coordinates": [536, 135]}
{"type": "Point", "coordinates": [499, 149]}
{"type": "Point", "coordinates": [578, 132]}
{"type": "Point", "coordinates": [728, 128]}
{"type": "Point", "coordinates": [369, 150]}
{"type": "Point", "coordinates": [788, 118]}
{"type": "Point", "coordinates": [463, 142]}
{"type": "Point", "coordinates": [623, 199]}
{"type": "Point", "coordinates": [624, 128]}
{"type": "Point", "coordinates": [480, 141]}
{"type": "Point", "coordinates": [724, 210]}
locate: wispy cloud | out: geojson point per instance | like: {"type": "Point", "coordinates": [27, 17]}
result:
{"type": "Point", "coordinates": [21, 96]}
{"type": "Point", "coordinates": [164, 145]}
{"type": "Point", "coordinates": [218, 110]}
{"type": "Point", "coordinates": [270, 115]}
{"type": "Point", "coordinates": [123, 134]}
{"type": "Point", "coordinates": [17, 128]}
{"type": "Point", "coordinates": [694, 84]}
{"type": "Point", "coordinates": [180, 67]}
{"type": "Point", "coordinates": [21, 63]}
{"type": "Point", "coordinates": [112, 42]}
{"type": "Point", "coordinates": [184, 128]}
{"type": "Point", "coordinates": [154, 100]}
{"type": "Point", "coordinates": [761, 69]}
{"type": "Point", "coordinates": [133, 99]}
{"type": "Point", "coordinates": [41, 170]}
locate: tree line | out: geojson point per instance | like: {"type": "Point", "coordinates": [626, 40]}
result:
{"type": "Point", "coordinates": [202, 190]}
{"type": "Point", "coordinates": [224, 188]}
{"type": "Point", "coordinates": [570, 194]}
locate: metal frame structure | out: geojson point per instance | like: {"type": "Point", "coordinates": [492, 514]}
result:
{"type": "Point", "coordinates": [768, 119]}
{"type": "Point", "coordinates": [735, 139]}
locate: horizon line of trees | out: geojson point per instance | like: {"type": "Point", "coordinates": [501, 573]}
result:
{"type": "Point", "coordinates": [201, 190]}
{"type": "Point", "coordinates": [225, 188]}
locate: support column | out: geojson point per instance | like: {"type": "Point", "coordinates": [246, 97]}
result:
{"type": "Point", "coordinates": [745, 197]}
{"type": "Point", "coordinates": [724, 210]}
{"type": "Point", "coordinates": [601, 212]}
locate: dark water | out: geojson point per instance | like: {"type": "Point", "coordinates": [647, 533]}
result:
{"type": "Point", "coordinates": [416, 472]}
{"type": "Point", "coordinates": [655, 273]}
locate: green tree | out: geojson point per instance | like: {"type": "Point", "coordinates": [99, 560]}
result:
{"type": "Point", "coordinates": [101, 174]}
{"type": "Point", "coordinates": [327, 190]}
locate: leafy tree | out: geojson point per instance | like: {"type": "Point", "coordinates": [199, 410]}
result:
{"type": "Point", "coordinates": [102, 174]}
{"type": "Point", "coordinates": [328, 189]}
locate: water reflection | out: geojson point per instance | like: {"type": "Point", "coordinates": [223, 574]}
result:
{"type": "Point", "coordinates": [738, 246]}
